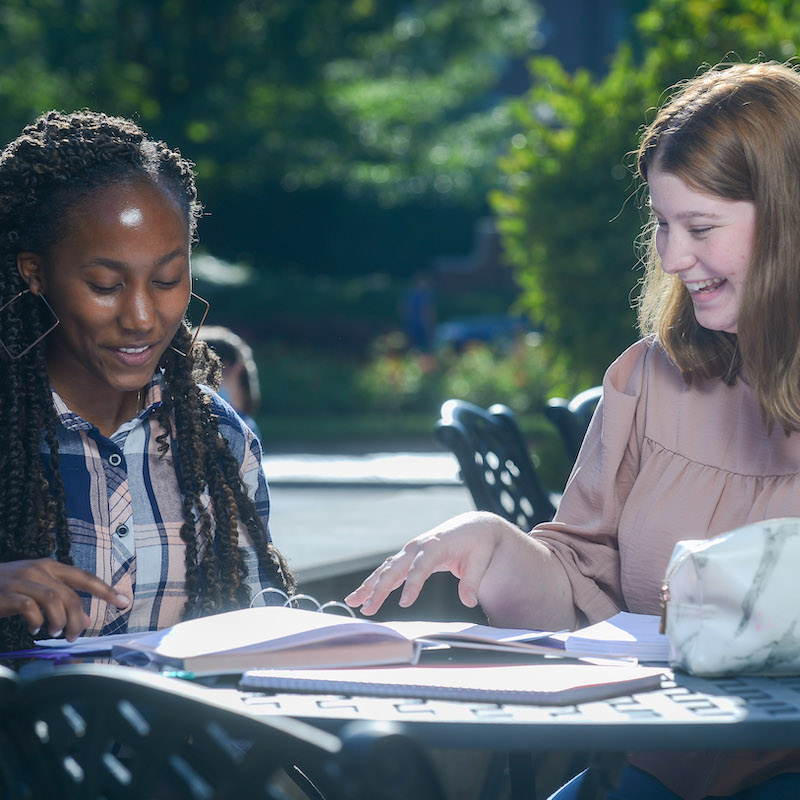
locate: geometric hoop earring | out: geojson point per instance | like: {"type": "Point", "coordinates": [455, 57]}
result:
{"type": "Point", "coordinates": [197, 329]}
{"type": "Point", "coordinates": [15, 356]}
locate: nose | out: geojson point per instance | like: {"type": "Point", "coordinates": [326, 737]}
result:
{"type": "Point", "coordinates": [138, 311]}
{"type": "Point", "coordinates": [676, 253]}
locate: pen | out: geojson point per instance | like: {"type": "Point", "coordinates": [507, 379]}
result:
{"type": "Point", "coordinates": [180, 673]}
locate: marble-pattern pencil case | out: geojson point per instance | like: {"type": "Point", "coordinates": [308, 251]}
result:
{"type": "Point", "coordinates": [732, 603]}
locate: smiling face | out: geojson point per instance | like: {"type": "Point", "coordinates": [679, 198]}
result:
{"type": "Point", "coordinates": [707, 242]}
{"type": "Point", "coordinates": [119, 280]}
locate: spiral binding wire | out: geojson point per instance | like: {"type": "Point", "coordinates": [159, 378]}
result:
{"type": "Point", "coordinates": [296, 600]}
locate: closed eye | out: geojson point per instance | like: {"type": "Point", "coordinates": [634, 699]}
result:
{"type": "Point", "coordinates": [103, 289]}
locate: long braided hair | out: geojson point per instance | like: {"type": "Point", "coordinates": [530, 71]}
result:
{"type": "Point", "coordinates": [54, 164]}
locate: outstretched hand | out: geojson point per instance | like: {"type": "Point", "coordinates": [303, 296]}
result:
{"type": "Point", "coordinates": [516, 579]}
{"type": "Point", "coordinates": [463, 545]}
{"type": "Point", "coordinates": [44, 591]}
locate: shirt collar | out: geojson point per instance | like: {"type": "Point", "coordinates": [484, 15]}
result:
{"type": "Point", "coordinates": [153, 398]}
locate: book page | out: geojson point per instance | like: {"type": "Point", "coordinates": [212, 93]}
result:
{"type": "Point", "coordinates": [89, 644]}
{"type": "Point", "coordinates": [269, 636]}
{"type": "Point", "coordinates": [481, 637]}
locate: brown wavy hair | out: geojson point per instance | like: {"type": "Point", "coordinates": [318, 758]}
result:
{"type": "Point", "coordinates": [52, 166]}
{"type": "Point", "coordinates": [734, 132]}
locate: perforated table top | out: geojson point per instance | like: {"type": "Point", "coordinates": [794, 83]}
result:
{"type": "Point", "coordinates": [686, 712]}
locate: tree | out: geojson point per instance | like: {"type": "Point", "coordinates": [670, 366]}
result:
{"type": "Point", "coordinates": [395, 96]}
{"type": "Point", "coordinates": [569, 209]}
{"type": "Point", "coordinates": [306, 118]}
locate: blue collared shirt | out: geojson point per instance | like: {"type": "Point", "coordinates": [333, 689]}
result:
{"type": "Point", "coordinates": [125, 513]}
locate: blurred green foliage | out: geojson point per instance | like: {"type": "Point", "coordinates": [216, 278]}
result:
{"type": "Point", "coordinates": [394, 379]}
{"type": "Point", "coordinates": [345, 314]}
{"type": "Point", "coordinates": [303, 117]}
{"type": "Point", "coordinates": [568, 207]}
{"type": "Point", "coordinates": [316, 399]}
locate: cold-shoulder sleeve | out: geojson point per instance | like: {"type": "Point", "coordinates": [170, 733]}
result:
{"type": "Point", "coordinates": [664, 460]}
{"type": "Point", "coordinates": [584, 533]}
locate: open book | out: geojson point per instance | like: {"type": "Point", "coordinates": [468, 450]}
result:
{"type": "Point", "coordinates": [556, 683]}
{"type": "Point", "coordinates": [279, 637]}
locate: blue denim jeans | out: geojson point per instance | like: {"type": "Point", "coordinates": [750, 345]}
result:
{"type": "Point", "coordinates": [634, 784]}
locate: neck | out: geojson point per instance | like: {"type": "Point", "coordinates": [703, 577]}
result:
{"type": "Point", "coordinates": [106, 413]}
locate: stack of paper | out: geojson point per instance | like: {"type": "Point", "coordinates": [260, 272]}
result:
{"type": "Point", "coordinates": [625, 635]}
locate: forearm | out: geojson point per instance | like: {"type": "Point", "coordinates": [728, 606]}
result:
{"type": "Point", "coordinates": [515, 578]}
{"type": "Point", "coordinates": [525, 585]}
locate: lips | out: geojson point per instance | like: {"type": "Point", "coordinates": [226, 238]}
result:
{"type": "Point", "coordinates": [707, 285]}
{"type": "Point", "coordinates": [133, 356]}
{"type": "Point", "coordinates": [133, 349]}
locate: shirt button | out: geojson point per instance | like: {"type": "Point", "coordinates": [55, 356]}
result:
{"type": "Point", "coordinates": [122, 530]}
{"type": "Point", "coordinates": [115, 459]}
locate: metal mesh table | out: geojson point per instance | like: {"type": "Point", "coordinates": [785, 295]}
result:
{"type": "Point", "coordinates": [686, 712]}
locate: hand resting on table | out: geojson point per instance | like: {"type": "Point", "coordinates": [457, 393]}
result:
{"type": "Point", "coordinates": [43, 591]}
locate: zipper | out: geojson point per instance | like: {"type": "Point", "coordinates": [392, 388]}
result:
{"type": "Point", "coordinates": [665, 596]}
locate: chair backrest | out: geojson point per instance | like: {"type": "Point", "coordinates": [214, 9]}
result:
{"type": "Point", "coordinates": [120, 733]}
{"type": "Point", "coordinates": [572, 417]}
{"type": "Point", "coordinates": [495, 462]}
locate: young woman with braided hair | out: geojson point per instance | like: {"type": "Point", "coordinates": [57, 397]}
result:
{"type": "Point", "coordinates": [131, 494]}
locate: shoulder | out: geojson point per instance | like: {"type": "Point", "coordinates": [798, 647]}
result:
{"type": "Point", "coordinates": [645, 362]}
{"type": "Point", "coordinates": [232, 427]}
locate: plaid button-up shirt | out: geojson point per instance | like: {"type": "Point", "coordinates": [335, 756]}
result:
{"type": "Point", "coordinates": [124, 510]}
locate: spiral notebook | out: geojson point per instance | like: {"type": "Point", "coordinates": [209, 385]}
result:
{"type": "Point", "coordinates": [554, 683]}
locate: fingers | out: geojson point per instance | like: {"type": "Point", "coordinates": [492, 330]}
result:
{"type": "Point", "coordinates": [44, 591]}
{"type": "Point", "coordinates": [83, 581]}
{"type": "Point", "coordinates": [40, 604]}
{"type": "Point", "coordinates": [462, 545]}
{"type": "Point", "coordinates": [424, 563]}
{"type": "Point", "coordinates": [381, 583]}
{"type": "Point", "coordinates": [473, 570]}
{"type": "Point", "coordinates": [13, 604]}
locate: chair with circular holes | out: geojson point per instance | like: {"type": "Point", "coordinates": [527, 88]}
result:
{"type": "Point", "coordinates": [572, 417]}
{"type": "Point", "coordinates": [98, 731]}
{"type": "Point", "coordinates": [495, 463]}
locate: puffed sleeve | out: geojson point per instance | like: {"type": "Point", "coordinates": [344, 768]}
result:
{"type": "Point", "coordinates": [583, 533]}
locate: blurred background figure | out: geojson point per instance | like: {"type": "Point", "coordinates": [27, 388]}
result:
{"type": "Point", "coordinates": [419, 312]}
{"type": "Point", "coordinates": [240, 385]}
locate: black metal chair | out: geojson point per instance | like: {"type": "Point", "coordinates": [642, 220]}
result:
{"type": "Point", "coordinates": [572, 417]}
{"type": "Point", "coordinates": [89, 732]}
{"type": "Point", "coordinates": [495, 462]}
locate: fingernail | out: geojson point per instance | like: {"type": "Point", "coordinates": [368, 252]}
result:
{"type": "Point", "coordinates": [122, 600]}
{"type": "Point", "coordinates": [57, 633]}
{"type": "Point", "coordinates": [36, 630]}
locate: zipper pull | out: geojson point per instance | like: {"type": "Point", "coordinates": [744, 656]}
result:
{"type": "Point", "coordinates": [662, 628]}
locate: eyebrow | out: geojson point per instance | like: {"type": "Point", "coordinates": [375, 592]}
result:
{"type": "Point", "coordinates": [691, 214]}
{"type": "Point", "coordinates": [121, 266]}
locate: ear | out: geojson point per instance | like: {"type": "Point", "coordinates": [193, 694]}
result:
{"type": "Point", "coordinates": [29, 266]}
